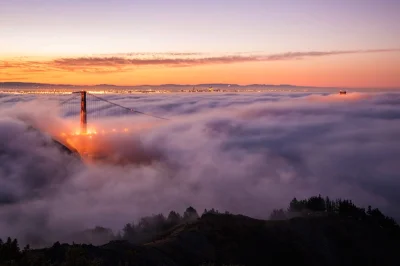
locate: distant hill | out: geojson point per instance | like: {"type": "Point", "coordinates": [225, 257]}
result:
{"type": "Point", "coordinates": [220, 85]}
{"type": "Point", "coordinates": [106, 85]}
{"type": "Point", "coordinates": [30, 84]}
{"type": "Point", "coordinates": [22, 84]}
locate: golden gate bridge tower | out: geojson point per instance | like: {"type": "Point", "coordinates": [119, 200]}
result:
{"type": "Point", "coordinates": [95, 107]}
{"type": "Point", "coordinates": [85, 141]}
{"type": "Point", "coordinates": [83, 113]}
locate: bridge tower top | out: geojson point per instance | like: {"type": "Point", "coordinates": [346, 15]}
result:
{"type": "Point", "coordinates": [83, 113]}
{"type": "Point", "coordinates": [94, 103]}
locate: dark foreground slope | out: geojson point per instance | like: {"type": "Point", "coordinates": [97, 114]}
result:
{"type": "Point", "coordinates": [217, 239]}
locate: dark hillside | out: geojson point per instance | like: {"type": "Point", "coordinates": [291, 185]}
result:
{"type": "Point", "coordinates": [322, 232]}
{"type": "Point", "coordinates": [234, 239]}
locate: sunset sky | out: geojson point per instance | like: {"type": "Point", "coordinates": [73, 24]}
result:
{"type": "Point", "coordinates": [350, 43]}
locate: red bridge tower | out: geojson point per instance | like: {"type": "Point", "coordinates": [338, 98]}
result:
{"type": "Point", "coordinates": [83, 113]}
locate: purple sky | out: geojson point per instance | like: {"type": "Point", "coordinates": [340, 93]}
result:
{"type": "Point", "coordinates": [82, 27]}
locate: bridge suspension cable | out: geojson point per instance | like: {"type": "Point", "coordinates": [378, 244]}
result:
{"type": "Point", "coordinates": [67, 100]}
{"type": "Point", "coordinates": [94, 108]}
{"type": "Point", "coordinates": [127, 108]}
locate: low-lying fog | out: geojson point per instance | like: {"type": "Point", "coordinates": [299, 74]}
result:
{"type": "Point", "coordinates": [243, 153]}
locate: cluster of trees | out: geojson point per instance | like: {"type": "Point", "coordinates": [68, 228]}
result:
{"type": "Point", "coordinates": [96, 236]}
{"type": "Point", "coordinates": [147, 227]}
{"type": "Point", "coordinates": [63, 255]}
{"type": "Point", "coordinates": [317, 205]}
{"type": "Point", "coordinates": [9, 250]}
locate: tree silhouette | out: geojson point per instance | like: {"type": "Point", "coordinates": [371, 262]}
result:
{"type": "Point", "coordinates": [369, 212]}
{"type": "Point", "coordinates": [173, 219]}
{"type": "Point", "coordinates": [329, 205]}
{"type": "Point", "coordinates": [9, 250]}
{"type": "Point", "coordinates": [278, 214]}
{"type": "Point", "coordinates": [190, 214]}
{"type": "Point", "coordinates": [129, 231]}
{"type": "Point", "coordinates": [27, 248]}
{"type": "Point", "coordinates": [316, 204]}
{"type": "Point", "coordinates": [295, 206]}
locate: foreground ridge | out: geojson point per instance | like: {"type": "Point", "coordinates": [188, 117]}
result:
{"type": "Point", "coordinates": [334, 233]}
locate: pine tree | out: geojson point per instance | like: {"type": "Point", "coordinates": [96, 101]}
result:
{"type": "Point", "coordinates": [173, 218]}
{"type": "Point", "coordinates": [277, 214]}
{"type": "Point", "coordinates": [369, 212]}
{"type": "Point", "coordinates": [328, 204]}
{"type": "Point", "coordinates": [294, 206]}
{"type": "Point", "coordinates": [190, 214]}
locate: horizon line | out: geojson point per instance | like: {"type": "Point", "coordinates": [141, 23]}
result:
{"type": "Point", "coordinates": [200, 84]}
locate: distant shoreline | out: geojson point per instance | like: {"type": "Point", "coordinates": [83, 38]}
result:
{"type": "Point", "coordinates": [60, 91]}
{"type": "Point", "coordinates": [177, 87]}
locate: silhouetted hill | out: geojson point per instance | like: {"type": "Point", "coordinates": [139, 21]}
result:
{"type": "Point", "coordinates": [217, 85]}
{"type": "Point", "coordinates": [329, 240]}
{"type": "Point", "coordinates": [16, 85]}
{"type": "Point", "coordinates": [227, 239]}
{"type": "Point", "coordinates": [312, 231]}
{"type": "Point", "coordinates": [21, 84]}
{"type": "Point", "coordinates": [105, 85]}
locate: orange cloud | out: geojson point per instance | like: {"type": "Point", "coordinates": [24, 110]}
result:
{"type": "Point", "coordinates": [130, 61]}
{"type": "Point", "coordinates": [358, 68]}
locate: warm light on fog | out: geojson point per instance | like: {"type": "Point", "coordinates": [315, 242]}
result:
{"type": "Point", "coordinates": [90, 143]}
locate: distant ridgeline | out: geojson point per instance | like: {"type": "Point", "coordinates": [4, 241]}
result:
{"type": "Point", "coordinates": [223, 238]}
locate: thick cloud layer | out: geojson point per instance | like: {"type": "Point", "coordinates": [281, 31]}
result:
{"type": "Point", "coordinates": [244, 153]}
